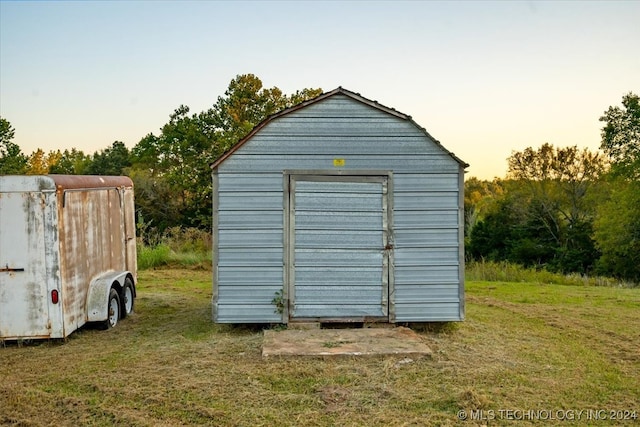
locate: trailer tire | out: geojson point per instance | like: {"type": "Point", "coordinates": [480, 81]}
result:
{"type": "Point", "coordinates": [127, 298]}
{"type": "Point", "coordinates": [113, 309]}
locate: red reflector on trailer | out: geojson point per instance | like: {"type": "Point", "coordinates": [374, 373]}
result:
{"type": "Point", "coordinates": [54, 296]}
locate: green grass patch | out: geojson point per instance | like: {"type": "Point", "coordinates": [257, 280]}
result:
{"type": "Point", "coordinates": [153, 256]}
{"type": "Point", "coordinates": [507, 272]}
{"type": "Point", "coordinates": [162, 256]}
{"type": "Point", "coordinates": [523, 346]}
{"type": "Point", "coordinates": [175, 247]}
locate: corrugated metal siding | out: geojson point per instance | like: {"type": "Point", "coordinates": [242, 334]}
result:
{"type": "Point", "coordinates": [427, 265]}
{"type": "Point", "coordinates": [249, 247]}
{"type": "Point", "coordinates": [345, 144]}
{"type": "Point", "coordinates": [426, 200]}
{"type": "Point", "coordinates": [356, 289]}
{"type": "Point", "coordinates": [399, 164]}
{"type": "Point", "coordinates": [339, 107]}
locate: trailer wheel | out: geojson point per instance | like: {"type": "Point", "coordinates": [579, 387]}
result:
{"type": "Point", "coordinates": [127, 298]}
{"type": "Point", "coordinates": [113, 309]}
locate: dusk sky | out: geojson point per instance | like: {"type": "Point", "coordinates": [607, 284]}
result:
{"type": "Point", "coordinates": [484, 78]}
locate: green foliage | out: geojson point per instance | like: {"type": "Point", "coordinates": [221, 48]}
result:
{"type": "Point", "coordinates": [278, 301]}
{"type": "Point", "coordinates": [12, 161]}
{"type": "Point", "coordinates": [157, 206]}
{"type": "Point", "coordinates": [171, 172]}
{"type": "Point", "coordinates": [559, 182]}
{"type": "Point", "coordinates": [73, 162]}
{"type": "Point", "coordinates": [181, 239]}
{"type": "Point", "coordinates": [617, 231]}
{"type": "Point", "coordinates": [161, 255]}
{"type": "Point", "coordinates": [570, 165]}
{"type": "Point", "coordinates": [621, 136]}
{"type": "Point", "coordinates": [491, 238]}
{"type": "Point", "coordinates": [546, 219]}
{"type": "Point", "coordinates": [37, 163]}
{"type": "Point", "coordinates": [7, 133]}
{"type": "Point", "coordinates": [40, 163]}
{"type": "Point", "coordinates": [479, 197]}
{"type": "Point", "coordinates": [516, 229]}
{"type": "Point", "coordinates": [111, 161]}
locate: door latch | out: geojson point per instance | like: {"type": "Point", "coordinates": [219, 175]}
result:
{"type": "Point", "coordinates": [8, 269]}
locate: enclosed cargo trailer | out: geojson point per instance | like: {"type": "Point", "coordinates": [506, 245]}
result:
{"type": "Point", "coordinates": [67, 253]}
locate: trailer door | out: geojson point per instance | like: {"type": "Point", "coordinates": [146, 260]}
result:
{"type": "Point", "coordinates": [130, 232]}
{"type": "Point", "coordinates": [24, 300]}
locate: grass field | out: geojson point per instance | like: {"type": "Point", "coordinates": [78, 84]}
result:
{"type": "Point", "coordinates": [526, 350]}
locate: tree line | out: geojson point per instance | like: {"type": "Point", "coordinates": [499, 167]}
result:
{"type": "Point", "coordinates": [563, 209]}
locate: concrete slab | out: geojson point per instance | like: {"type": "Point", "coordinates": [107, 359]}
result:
{"type": "Point", "coordinates": [344, 342]}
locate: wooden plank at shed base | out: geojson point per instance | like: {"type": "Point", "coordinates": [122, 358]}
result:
{"type": "Point", "coordinates": [398, 341]}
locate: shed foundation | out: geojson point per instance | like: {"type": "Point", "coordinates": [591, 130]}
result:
{"type": "Point", "coordinates": [399, 341]}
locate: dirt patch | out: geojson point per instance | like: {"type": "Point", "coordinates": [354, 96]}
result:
{"type": "Point", "coordinates": [333, 397]}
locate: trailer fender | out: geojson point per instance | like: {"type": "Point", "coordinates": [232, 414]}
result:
{"type": "Point", "coordinates": [98, 295]}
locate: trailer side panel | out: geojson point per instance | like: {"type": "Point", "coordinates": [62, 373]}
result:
{"type": "Point", "coordinates": [92, 241]}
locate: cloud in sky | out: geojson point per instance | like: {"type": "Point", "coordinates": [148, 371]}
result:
{"type": "Point", "coordinates": [485, 78]}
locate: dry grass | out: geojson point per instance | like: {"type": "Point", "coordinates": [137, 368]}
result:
{"type": "Point", "coordinates": [524, 346]}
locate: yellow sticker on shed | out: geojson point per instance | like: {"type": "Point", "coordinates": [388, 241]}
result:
{"type": "Point", "coordinates": [338, 163]}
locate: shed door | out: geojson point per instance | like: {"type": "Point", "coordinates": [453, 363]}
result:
{"type": "Point", "coordinates": [24, 309]}
{"type": "Point", "coordinates": [339, 266]}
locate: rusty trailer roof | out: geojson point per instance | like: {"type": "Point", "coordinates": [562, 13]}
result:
{"type": "Point", "coordinates": [19, 183]}
{"type": "Point", "coordinates": [68, 182]}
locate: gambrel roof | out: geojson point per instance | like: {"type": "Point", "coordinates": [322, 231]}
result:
{"type": "Point", "coordinates": [339, 91]}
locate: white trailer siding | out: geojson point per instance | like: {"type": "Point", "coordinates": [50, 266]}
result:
{"type": "Point", "coordinates": [28, 260]}
{"type": "Point", "coordinates": [261, 250]}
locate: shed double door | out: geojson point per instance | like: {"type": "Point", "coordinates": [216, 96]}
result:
{"type": "Point", "coordinates": [339, 248]}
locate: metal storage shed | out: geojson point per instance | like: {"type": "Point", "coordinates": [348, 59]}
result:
{"type": "Point", "coordinates": [338, 209]}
